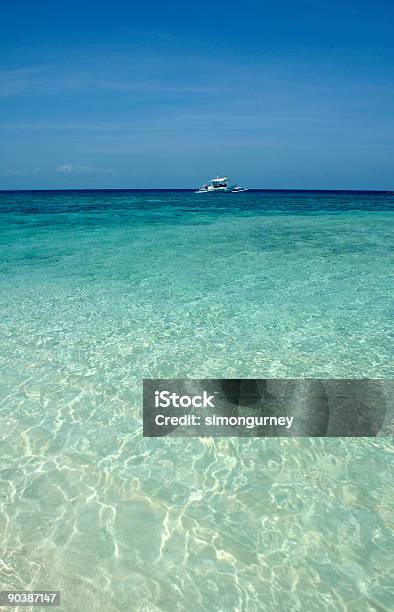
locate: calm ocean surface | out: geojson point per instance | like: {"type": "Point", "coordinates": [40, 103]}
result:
{"type": "Point", "coordinates": [100, 289]}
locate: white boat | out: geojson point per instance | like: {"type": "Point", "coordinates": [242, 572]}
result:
{"type": "Point", "coordinates": [219, 185]}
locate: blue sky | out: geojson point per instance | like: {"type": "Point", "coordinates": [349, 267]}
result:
{"type": "Point", "coordinates": [276, 94]}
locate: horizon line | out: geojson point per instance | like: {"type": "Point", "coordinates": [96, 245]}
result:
{"type": "Point", "coordinates": [193, 189]}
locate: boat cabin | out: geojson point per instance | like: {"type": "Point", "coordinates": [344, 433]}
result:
{"type": "Point", "coordinates": [219, 182]}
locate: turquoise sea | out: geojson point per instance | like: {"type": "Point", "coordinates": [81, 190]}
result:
{"type": "Point", "coordinates": [100, 289]}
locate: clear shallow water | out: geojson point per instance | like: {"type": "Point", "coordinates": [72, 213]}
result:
{"type": "Point", "coordinates": [101, 289]}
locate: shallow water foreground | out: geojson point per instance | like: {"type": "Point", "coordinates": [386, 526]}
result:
{"type": "Point", "coordinates": [101, 289]}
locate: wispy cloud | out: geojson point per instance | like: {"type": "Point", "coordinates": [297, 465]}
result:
{"type": "Point", "coordinates": [22, 171]}
{"type": "Point", "coordinates": [145, 78]}
{"type": "Point", "coordinates": [65, 169]}
{"type": "Point", "coordinates": [70, 169]}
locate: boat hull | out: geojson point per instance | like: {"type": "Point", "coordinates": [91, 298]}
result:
{"type": "Point", "coordinates": [213, 191]}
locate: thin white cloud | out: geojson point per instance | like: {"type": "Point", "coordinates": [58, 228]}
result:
{"type": "Point", "coordinates": [65, 169]}
{"type": "Point", "coordinates": [21, 171]}
{"type": "Point", "coordinates": [70, 169]}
